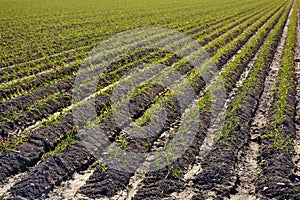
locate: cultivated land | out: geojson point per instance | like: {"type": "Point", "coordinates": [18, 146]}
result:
{"type": "Point", "coordinates": [254, 44]}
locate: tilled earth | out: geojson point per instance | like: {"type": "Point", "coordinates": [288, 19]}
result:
{"type": "Point", "coordinates": [244, 169]}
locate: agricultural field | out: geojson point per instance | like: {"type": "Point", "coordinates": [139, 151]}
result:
{"type": "Point", "coordinates": [137, 99]}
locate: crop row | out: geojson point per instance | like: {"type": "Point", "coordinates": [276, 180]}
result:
{"type": "Point", "coordinates": [40, 114]}
{"type": "Point", "coordinates": [219, 159]}
{"type": "Point", "coordinates": [72, 38]}
{"type": "Point", "coordinates": [42, 64]}
{"type": "Point", "coordinates": [277, 148]}
{"type": "Point", "coordinates": [16, 120]}
{"type": "Point", "coordinates": [103, 188]}
{"type": "Point", "coordinates": [219, 168]}
{"type": "Point", "coordinates": [110, 129]}
{"type": "Point", "coordinates": [21, 85]}
{"type": "Point", "coordinates": [240, 29]}
{"type": "Point", "coordinates": [65, 167]}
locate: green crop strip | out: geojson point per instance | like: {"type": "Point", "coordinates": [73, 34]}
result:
{"type": "Point", "coordinates": [66, 142]}
{"type": "Point", "coordinates": [38, 104]}
{"type": "Point", "coordinates": [108, 112]}
{"type": "Point", "coordinates": [286, 84]}
{"type": "Point", "coordinates": [241, 37]}
{"type": "Point", "coordinates": [68, 37]}
{"type": "Point", "coordinates": [44, 66]}
{"type": "Point", "coordinates": [263, 59]}
{"type": "Point", "coordinates": [62, 77]}
{"type": "Point", "coordinates": [244, 56]}
{"type": "Point", "coordinates": [148, 115]}
{"type": "Point", "coordinates": [201, 33]}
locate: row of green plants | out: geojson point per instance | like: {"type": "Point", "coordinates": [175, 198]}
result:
{"type": "Point", "coordinates": [28, 70]}
{"type": "Point", "coordinates": [151, 112]}
{"type": "Point", "coordinates": [25, 86]}
{"type": "Point", "coordinates": [253, 42]}
{"type": "Point", "coordinates": [206, 34]}
{"type": "Point", "coordinates": [285, 89]}
{"type": "Point", "coordinates": [226, 38]}
{"type": "Point", "coordinates": [262, 64]}
{"type": "Point", "coordinates": [54, 97]}
{"type": "Point", "coordinates": [50, 63]}
{"type": "Point", "coordinates": [247, 19]}
{"type": "Point", "coordinates": [245, 34]}
{"type": "Point", "coordinates": [156, 107]}
{"type": "Point", "coordinates": [235, 67]}
{"type": "Point", "coordinates": [37, 45]}
{"type": "Point", "coordinates": [23, 82]}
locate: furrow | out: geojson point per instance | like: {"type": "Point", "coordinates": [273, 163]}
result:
{"type": "Point", "coordinates": [296, 158]}
{"type": "Point", "coordinates": [248, 167]}
{"type": "Point", "coordinates": [218, 177]}
{"type": "Point", "coordinates": [65, 164]}
{"type": "Point", "coordinates": [153, 183]}
{"type": "Point", "coordinates": [277, 177]}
